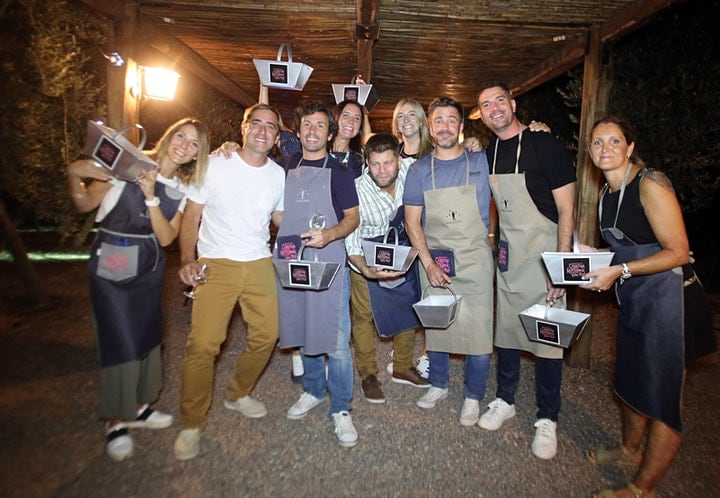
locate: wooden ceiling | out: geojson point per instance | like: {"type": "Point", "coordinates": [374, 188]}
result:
{"type": "Point", "coordinates": [418, 48]}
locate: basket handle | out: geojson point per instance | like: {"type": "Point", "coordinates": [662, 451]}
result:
{"type": "Point", "coordinates": [391, 229]}
{"type": "Point", "coordinates": [143, 135]}
{"type": "Point", "coordinates": [448, 288]}
{"type": "Point", "coordinates": [576, 241]}
{"type": "Point", "coordinates": [280, 51]}
{"type": "Point", "coordinates": [300, 253]}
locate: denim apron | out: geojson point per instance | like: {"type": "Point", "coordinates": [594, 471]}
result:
{"type": "Point", "coordinates": [392, 308]}
{"type": "Point", "coordinates": [650, 331]}
{"type": "Point", "coordinates": [311, 318]}
{"type": "Point", "coordinates": [521, 276]}
{"type": "Point", "coordinates": [452, 219]}
{"type": "Point", "coordinates": [126, 272]}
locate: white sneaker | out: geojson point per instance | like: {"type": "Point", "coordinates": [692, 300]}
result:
{"type": "Point", "coordinates": [302, 406]}
{"type": "Point", "coordinates": [423, 366]}
{"type": "Point", "coordinates": [498, 412]}
{"type": "Point", "coordinates": [119, 444]}
{"type": "Point", "coordinates": [150, 419]}
{"type": "Point", "coordinates": [344, 429]}
{"type": "Point", "coordinates": [545, 443]}
{"type": "Point", "coordinates": [431, 397]}
{"type": "Point", "coordinates": [248, 406]}
{"type": "Point", "coordinates": [187, 445]}
{"type": "Point", "coordinates": [470, 413]}
{"type": "Point", "coordinates": [389, 367]}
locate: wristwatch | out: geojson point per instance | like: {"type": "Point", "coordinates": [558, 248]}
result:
{"type": "Point", "coordinates": [155, 201]}
{"type": "Point", "coordinates": [625, 272]}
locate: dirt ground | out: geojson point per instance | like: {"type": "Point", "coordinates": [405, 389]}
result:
{"type": "Point", "coordinates": [51, 441]}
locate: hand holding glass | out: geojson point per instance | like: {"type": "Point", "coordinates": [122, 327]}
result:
{"type": "Point", "coordinates": [200, 279]}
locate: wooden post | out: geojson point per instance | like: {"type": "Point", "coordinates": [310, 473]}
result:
{"type": "Point", "coordinates": [124, 108]}
{"type": "Point", "coordinates": [594, 102]}
{"type": "Point", "coordinates": [367, 31]}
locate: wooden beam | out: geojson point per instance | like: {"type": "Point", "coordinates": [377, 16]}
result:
{"type": "Point", "coordinates": [554, 66]}
{"type": "Point", "coordinates": [625, 21]}
{"type": "Point", "coordinates": [632, 17]}
{"type": "Point", "coordinates": [180, 53]}
{"type": "Point", "coordinates": [367, 31]}
{"type": "Point", "coordinates": [171, 47]}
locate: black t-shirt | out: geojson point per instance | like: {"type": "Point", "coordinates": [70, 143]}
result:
{"type": "Point", "coordinates": [342, 182]}
{"type": "Point", "coordinates": [544, 159]}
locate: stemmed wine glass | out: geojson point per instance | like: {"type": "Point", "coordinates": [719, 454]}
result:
{"type": "Point", "coordinates": [317, 221]}
{"type": "Point", "coordinates": [200, 279]}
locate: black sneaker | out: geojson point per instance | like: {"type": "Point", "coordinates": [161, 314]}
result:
{"type": "Point", "coordinates": [371, 390]}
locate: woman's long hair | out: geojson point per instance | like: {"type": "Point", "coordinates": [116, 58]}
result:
{"type": "Point", "coordinates": [194, 170]}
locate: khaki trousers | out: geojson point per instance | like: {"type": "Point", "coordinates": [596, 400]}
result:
{"type": "Point", "coordinates": [252, 286]}
{"type": "Point", "coordinates": [363, 332]}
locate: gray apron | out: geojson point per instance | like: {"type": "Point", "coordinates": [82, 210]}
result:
{"type": "Point", "coordinates": [452, 218]}
{"type": "Point", "coordinates": [521, 276]}
{"type": "Point", "coordinates": [311, 318]}
{"type": "Point", "coordinates": [650, 332]}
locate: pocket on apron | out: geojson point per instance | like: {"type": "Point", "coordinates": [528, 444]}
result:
{"type": "Point", "coordinates": [117, 263]}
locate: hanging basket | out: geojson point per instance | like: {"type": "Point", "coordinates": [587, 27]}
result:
{"type": "Point", "coordinates": [306, 275]}
{"type": "Point", "coordinates": [364, 95]}
{"type": "Point", "coordinates": [389, 256]}
{"type": "Point", "coordinates": [286, 75]}
{"type": "Point", "coordinates": [438, 311]}
{"type": "Point", "coordinates": [115, 153]}
{"type": "Point", "coordinates": [555, 326]}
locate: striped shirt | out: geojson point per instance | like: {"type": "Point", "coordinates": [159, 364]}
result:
{"type": "Point", "coordinates": [377, 208]}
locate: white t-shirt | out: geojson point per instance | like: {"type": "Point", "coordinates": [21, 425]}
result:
{"type": "Point", "coordinates": [238, 201]}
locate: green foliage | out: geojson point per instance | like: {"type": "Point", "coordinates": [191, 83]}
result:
{"type": "Point", "coordinates": [52, 79]}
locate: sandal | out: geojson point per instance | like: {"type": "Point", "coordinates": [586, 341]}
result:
{"type": "Point", "coordinates": [639, 493]}
{"type": "Point", "coordinates": [617, 455]}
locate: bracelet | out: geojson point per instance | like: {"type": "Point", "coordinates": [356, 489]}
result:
{"type": "Point", "coordinates": [155, 201]}
{"type": "Point", "coordinates": [625, 272]}
{"type": "Point", "coordinates": [491, 235]}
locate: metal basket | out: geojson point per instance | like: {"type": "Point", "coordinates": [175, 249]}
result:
{"type": "Point", "coordinates": [569, 268]}
{"type": "Point", "coordinates": [390, 256]}
{"type": "Point", "coordinates": [438, 311]}
{"type": "Point", "coordinates": [555, 326]}
{"type": "Point", "coordinates": [303, 274]}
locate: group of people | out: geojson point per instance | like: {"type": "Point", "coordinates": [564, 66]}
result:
{"type": "Point", "coordinates": [420, 184]}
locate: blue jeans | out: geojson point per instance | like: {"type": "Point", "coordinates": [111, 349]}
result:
{"type": "Point", "coordinates": [476, 372]}
{"type": "Point", "coordinates": [548, 377]}
{"type": "Point", "coordinates": [339, 380]}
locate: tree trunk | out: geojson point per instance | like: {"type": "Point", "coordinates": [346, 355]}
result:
{"type": "Point", "coordinates": [35, 297]}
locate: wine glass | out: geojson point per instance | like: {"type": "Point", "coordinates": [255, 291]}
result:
{"type": "Point", "coordinates": [200, 279]}
{"type": "Point", "coordinates": [317, 221]}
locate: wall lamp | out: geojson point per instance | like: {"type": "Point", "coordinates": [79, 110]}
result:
{"type": "Point", "coordinates": [155, 83]}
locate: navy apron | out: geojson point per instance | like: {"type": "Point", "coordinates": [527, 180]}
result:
{"type": "Point", "coordinates": [126, 272]}
{"type": "Point", "coordinates": [311, 318]}
{"type": "Point", "coordinates": [650, 332]}
{"type": "Point", "coordinates": [392, 308]}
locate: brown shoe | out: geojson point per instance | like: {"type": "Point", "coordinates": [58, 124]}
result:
{"type": "Point", "coordinates": [371, 390]}
{"type": "Point", "coordinates": [410, 377]}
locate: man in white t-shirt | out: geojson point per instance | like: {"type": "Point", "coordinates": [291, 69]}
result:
{"type": "Point", "coordinates": [227, 218]}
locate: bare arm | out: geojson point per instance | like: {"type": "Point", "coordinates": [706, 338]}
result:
{"type": "Point", "coordinates": [565, 202]}
{"type": "Point", "coordinates": [665, 216]}
{"type": "Point", "coordinates": [189, 229]}
{"type": "Point", "coordinates": [165, 230]}
{"type": "Point", "coordinates": [85, 198]}
{"type": "Point", "coordinates": [413, 226]}
{"type": "Point", "coordinates": [276, 217]}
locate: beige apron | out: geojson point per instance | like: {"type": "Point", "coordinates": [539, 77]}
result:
{"type": "Point", "coordinates": [527, 233]}
{"type": "Point", "coordinates": [452, 219]}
